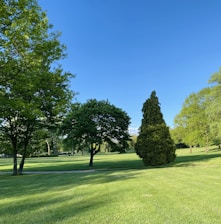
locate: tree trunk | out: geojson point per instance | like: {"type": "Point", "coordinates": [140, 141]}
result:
{"type": "Point", "coordinates": [15, 171]}
{"type": "Point", "coordinates": [24, 155]}
{"type": "Point", "coordinates": [191, 149]}
{"type": "Point", "coordinates": [93, 151]}
{"type": "Point", "coordinates": [91, 158]}
{"type": "Point", "coordinates": [207, 143]}
{"type": "Point", "coordinates": [48, 146]}
{"type": "Point", "coordinates": [21, 165]}
{"type": "Point", "coordinates": [14, 146]}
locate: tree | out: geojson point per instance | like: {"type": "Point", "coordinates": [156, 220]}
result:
{"type": "Point", "coordinates": [154, 144]}
{"type": "Point", "coordinates": [33, 94]}
{"type": "Point", "coordinates": [94, 123]}
{"type": "Point", "coordinates": [177, 136]}
{"type": "Point", "coordinates": [192, 121]}
{"type": "Point", "coordinates": [213, 110]}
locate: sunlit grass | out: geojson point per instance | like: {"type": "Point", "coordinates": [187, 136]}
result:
{"type": "Point", "coordinates": [187, 191]}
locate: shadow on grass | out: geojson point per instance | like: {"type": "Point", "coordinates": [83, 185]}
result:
{"type": "Point", "coordinates": [109, 163]}
{"type": "Point", "coordinates": [57, 197]}
{"type": "Point", "coordinates": [190, 160]}
{"type": "Point", "coordinates": [100, 163]}
{"type": "Point", "coordinates": [215, 150]}
{"type": "Point", "coordinates": [49, 193]}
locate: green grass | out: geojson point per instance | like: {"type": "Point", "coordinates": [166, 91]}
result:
{"type": "Point", "coordinates": [121, 191]}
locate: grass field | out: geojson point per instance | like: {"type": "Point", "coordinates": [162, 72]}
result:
{"type": "Point", "coordinates": [120, 190]}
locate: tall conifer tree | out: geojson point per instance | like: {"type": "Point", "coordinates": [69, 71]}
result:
{"type": "Point", "coordinates": [154, 143]}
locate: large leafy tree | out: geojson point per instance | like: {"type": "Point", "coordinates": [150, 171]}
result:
{"type": "Point", "coordinates": [192, 122]}
{"type": "Point", "coordinates": [214, 109]}
{"type": "Point", "coordinates": [96, 122]}
{"type": "Point", "coordinates": [33, 93]}
{"type": "Point", "coordinates": [198, 122]}
{"type": "Point", "coordinates": [154, 144]}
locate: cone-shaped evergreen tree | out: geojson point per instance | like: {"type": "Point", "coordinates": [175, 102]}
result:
{"type": "Point", "coordinates": [154, 143]}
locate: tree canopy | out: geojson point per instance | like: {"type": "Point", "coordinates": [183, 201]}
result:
{"type": "Point", "coordinates": [96, 122]}
{"type": "Point", "coordinates": [154, 144]}
{"type": "Point", "coordinates": [34, 92]}
{"type": "Point", "coordinates": [192, 120]}
{"type": "Point", "coordinates": [198, 122]}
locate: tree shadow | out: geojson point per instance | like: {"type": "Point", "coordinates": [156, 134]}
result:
{"type": "Point", "coordinates": [35, 192]}
{"type": "Point", "coordinates": [101, 164]}
{"type": "Point", "coordinates": [189, 160]}
{"type": "Point", "coordinates": [215, 150]}
{"type": "Point", "coordinates": [119, 164]}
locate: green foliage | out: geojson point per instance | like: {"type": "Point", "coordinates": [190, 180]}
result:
{"type": "Point", "coordinates": [177, 136]}
{"type": "Point", "coordinates": [151, 111]}
{"type": "Point", "coordinates": [154, 144]}
{"type": "Point", "coordinates": [33, 94]}
{"type": "Point", "coordinates": [198, 122]}
{"type": "Point", "coordinates": [192, 122]}
{"type": "Point", "coordinates": [213, 109]}
{"type": "Point", "coordinates": [94, 123]}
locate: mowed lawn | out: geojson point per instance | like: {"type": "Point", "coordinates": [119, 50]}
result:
{"type": "Point", "coordinates": [119, 190]}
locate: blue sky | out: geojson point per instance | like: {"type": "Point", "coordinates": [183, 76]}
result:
{"type": "Point", "coordinates": [122, 50]}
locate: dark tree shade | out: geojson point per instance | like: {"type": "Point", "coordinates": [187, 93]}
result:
{"type": "Point", "coordinates": [154, 143]}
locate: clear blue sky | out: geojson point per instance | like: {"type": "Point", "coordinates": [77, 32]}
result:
{"type": "Point", "coordinates": [122, 50]}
